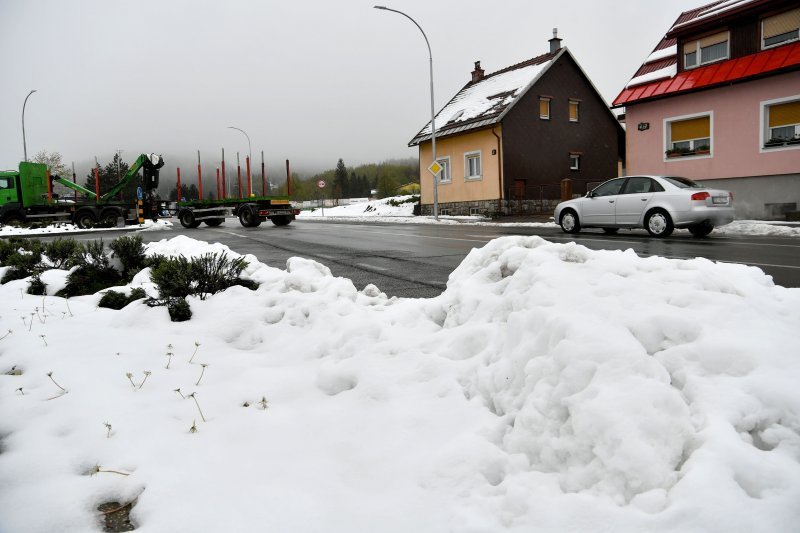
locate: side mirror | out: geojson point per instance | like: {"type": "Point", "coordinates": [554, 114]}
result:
{"type": "Point", "coordinates": [590, 194]}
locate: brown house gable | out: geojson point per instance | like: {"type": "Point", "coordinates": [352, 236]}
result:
{"type": "Point", "coordinates": [538, 151]}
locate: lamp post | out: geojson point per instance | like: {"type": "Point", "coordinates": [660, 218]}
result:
{"type": "Point", "coordinates": [249, 158]}
{"type": "Point", "coordinates": [24, 144]}
{"type": "Point", "coordinates": [433, 113]}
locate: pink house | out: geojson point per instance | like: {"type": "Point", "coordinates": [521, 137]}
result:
{"type": "Point", "coordinates": [719, 99]}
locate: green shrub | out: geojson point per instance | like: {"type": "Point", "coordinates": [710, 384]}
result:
{"type": "Point", "coordinates": [179, 310]}
{"type": "Point", "coordinates": [130, 252]}
{"type": "Point", "coordinates": [23, 263]}
{"type": "Point", "coordinates": [36, 286]}
{"type": "Point", "coordinates": [173, 277]}
{"type": "Point", "coordinates": [398, 203]}
{"type": "Point", "coordinates": [63, 252]}
{"type": "Point", "coordinates": [118, 300]}
{"type": "Point", "coordinates": [214, 273]}
{"type": "Point", "coordinates": [94, 272]}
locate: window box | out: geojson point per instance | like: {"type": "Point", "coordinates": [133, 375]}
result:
{"type": "Point", "coordinates": [680, 152]}
{"type": "Point", "coordinates": [774, 142]}
{"type": "Point", "coordinates": [796, 140]}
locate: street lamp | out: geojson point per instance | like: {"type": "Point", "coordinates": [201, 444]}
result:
{"type": "Point", "coordinates": [249, 159]}
{"type": "Point", "coordinates": [24, 144]}
{"type": "Point", "coordinates": [249, 151]}
{"type": "Point", "coordinates": [433, 114]}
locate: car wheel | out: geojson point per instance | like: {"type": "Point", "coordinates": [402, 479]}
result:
{"type": "Point", "coordinates": [659, 223]}
{"type": "Point", "coordinates": [610, 231]}
{"type": "Point", "coordinates": [569, 221]}
{"type": "Point", "coordinates": [12, 219]}
{"type": "Point", "coordinates": [248, 218]}
{"type": "Point", "coordinates": [702, 229]}
{"type": "Point", "coordinates": [108, 218]}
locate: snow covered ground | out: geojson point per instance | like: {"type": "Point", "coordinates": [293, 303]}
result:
{"type": "Point", "coordinates": [549, 388]}
{"type": "Point", "coordinates": [67, 228]}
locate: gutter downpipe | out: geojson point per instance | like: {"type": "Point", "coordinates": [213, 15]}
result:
{"type": "Point", "coordinates": [499, 170]}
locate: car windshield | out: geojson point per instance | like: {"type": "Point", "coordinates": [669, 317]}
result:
{"type": "Point", "coordinates": [683, 183]}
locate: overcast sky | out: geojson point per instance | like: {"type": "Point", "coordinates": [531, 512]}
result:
{"type": "Point", "coordinates": [308, 80]}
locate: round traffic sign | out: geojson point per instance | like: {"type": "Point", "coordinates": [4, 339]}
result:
{"type": "Point", "coordinates": [321, 184]}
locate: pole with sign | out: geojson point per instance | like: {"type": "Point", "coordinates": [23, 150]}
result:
{"type": "Point", "coordinates": [321, 185]}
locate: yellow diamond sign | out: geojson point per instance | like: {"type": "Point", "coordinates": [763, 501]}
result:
{"type": "Point", "coordinates": [435, 168]}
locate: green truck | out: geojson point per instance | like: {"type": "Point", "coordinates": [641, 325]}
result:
{"type": "Point", "coordinates": [27, 196]}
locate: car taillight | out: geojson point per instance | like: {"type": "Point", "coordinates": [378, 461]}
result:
{"type": "Point", "coordinates": [700, 195]}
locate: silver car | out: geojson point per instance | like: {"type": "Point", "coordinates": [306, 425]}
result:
{"type": "Point", "coordinates": [658, 204]}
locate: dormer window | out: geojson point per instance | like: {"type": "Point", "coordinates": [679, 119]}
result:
{"type": "Point", "coordinates": [780, 29]}
{"type": "Point", "coordinates": [706, 50]}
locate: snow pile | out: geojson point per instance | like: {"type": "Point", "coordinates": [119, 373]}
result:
{"type": "Point", "coordinates": [549, 388]}
{"type": "Point", "coordinates": [65, 227]}
{"type": "Point", "coordinates": [755, 227]}
{"type": "Point", "coordinates": [373, 208]}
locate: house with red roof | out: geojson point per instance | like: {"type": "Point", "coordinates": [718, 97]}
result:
{"type": "Point", "coordinates": [507, 139]}
{"type": "Point", "coordinates": [719, 99]}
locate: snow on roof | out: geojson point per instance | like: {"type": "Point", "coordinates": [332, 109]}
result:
{"type": "Point", "coordinates": [664, 53]}
{"type": "Point", "coordinates": [661, 74]}
{"type": "Point", "coordinates": [486, 99]}
{"type": "Point", "coordinates": [713, 10]}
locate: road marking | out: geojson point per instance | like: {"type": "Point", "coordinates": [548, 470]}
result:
{"type": "Point", "coordinates": [492, 236]}
{"type": "Point", "coordinates": [231, 233]}
{"type": "Point", "coordinates": [330, 257]}
{"type": "Point", "coordinates": [371, 267]}
{"type": "Point", "coordinates": [425, 236]}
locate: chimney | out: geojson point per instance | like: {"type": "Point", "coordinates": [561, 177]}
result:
{"type": "Point", "coordinates": [477, 74]}
{"type": "Point", "coordinates": [555, 42]}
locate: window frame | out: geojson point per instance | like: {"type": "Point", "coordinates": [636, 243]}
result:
{"type": "Point", "coordinates": [668, 144]}
{"type": "Point", "coordinates": [473, 154]}
{"type": "Point", "coordinates": [577, 110]}
{"type": "Point", "coordinates": [761, 33]}
{"type": "Point", "coordinates": [549, 104]}
{"type": "Point", "coordinates": [698, 52]}
{"type": "Point", "coordinates": [444, 161]}
{"type": "Point", "coordinates": [764, 125]}
{"type": "Point", "coordinates": [574, 161]}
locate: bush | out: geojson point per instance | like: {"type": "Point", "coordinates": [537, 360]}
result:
{"type": "Point", "coordinates": [173, 277]}
{"type": "Point", "coordinates": [179, 310]}
{"type": "Point", "coordinates": [130, 252]}
{"type": "Point", "coordinates": [118, 300]}
{"type": "Point", "coordinates": [63, 253]}
{"type": "Point", "coordinates": [23, 263]}
{"type": "Point", "coordinates": [36, 286]}
{"type": "Point", "coordinates": [215, 272]}
{"type": "Point", "coordinates": [94, 272]}
{"type": "Point", "coordinates": [410, 200]}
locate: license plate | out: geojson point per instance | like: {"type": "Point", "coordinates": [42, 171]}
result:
{"type": "Point", "coordinates": [720, 200]}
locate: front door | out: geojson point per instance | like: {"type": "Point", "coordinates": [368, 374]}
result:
{"type": "Point", "coordinates": [599, 208]}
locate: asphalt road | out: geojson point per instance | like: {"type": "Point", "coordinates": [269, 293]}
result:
{"type": "Point", "coordinates": [415, 260]}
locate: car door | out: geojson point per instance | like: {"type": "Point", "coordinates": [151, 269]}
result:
{"type": "Point", "coordinates": [598, 209]}
{"type": "Point", "coordinates": [635, 198]}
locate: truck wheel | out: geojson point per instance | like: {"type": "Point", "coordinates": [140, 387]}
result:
{"type": "Point", "coordinates": [12, 219]}
{"type": "Point", "coordinates": [214, 222]}
{"type": "Point", "coordinates": [187, 219]}
{"type": "Point", "coordinates": [85, 219]}
{"type": "Point", "coordinates": [283, 220]}
{"type": "Point", "coordinates": [108, 218]}
{"type": "Point", "coordinates": [248, 218]}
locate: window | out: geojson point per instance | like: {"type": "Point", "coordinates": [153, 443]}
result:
{"type": "Point", "coordinates": [780, 29]}
{"type": "Point", "coordinates": [641, 184]}
{"type": "Point", "coordinates": [705, 50]}
{"type": "Point", "coordinates": [688, 136]}
{"type": "Point", "coordinates": [474, 211]}
{"type": "Point", "coordinates": [573, 110]}
{"type": "Point", "coordinates": [574, 161]}
{"type": "Point", "coordinates": [609, 188]}
{"type": "Point", "coordinates": [472, 165]}
{"type": "Point", "coordinates": [781, 119]}
{"type": "Point", "coordinates": [444, 212]}
{"type": "Point", "coordinates": [6, 183]}
{"type": "Point", "coordinates": [544, 108]}
{"type": "Point", "coordinates": [444, 175]}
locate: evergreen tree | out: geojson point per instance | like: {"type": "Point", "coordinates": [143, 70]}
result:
{"type": "Point", "coordinates": [112, 174]}
{"type": "Point", "coordinates": [340, 180]}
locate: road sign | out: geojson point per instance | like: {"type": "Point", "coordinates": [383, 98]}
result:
{"type": "Point", "coordinates": [321, 184]}
{"type": "Point", "coordinates": [435, 168]}
{"type": "Point", "coordinates": [139, 193]}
